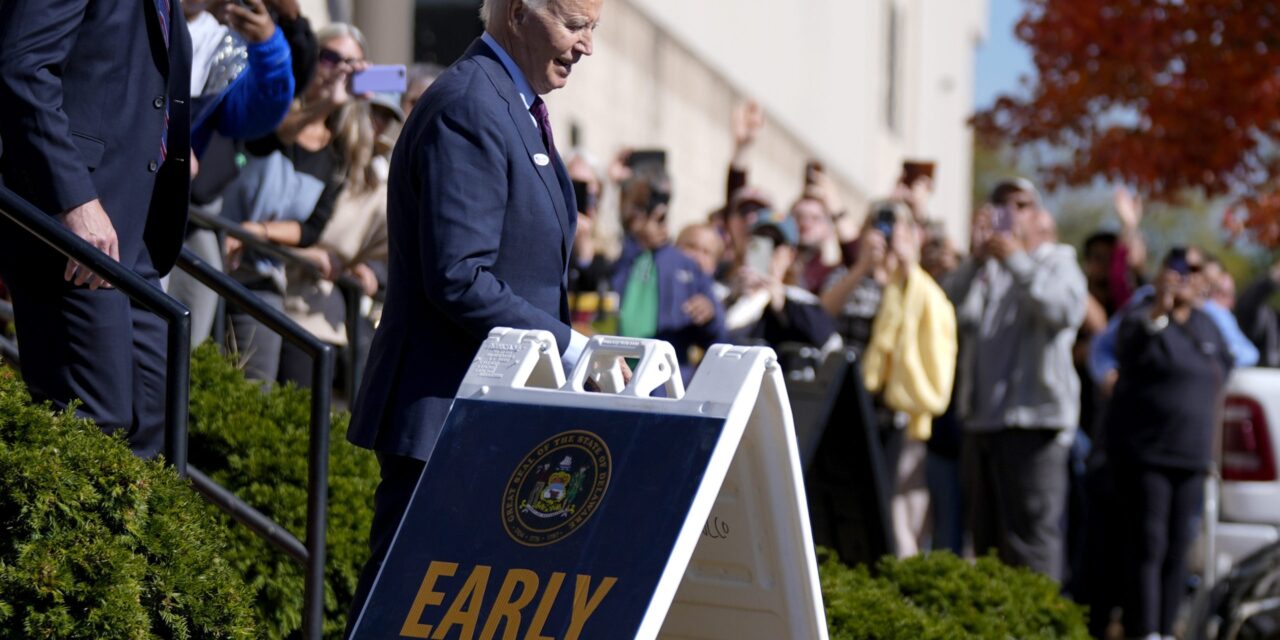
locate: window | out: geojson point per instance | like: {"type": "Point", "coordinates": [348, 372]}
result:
{"type": "Point", "coordinates": [443, 29]}
{"type": "Point", "coordinates": [892, 100]}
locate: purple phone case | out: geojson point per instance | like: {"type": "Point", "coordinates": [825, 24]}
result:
{"type": "Point", "coordinates": [379, 78]}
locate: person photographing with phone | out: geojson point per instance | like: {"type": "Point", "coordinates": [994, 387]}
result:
{"type": "Point", "coordinates": [1020, 299]}
{"type": "Point", "coordinates": [905, 330]}
{"type": "Point", "coordinates": [665, 294]}
{"type": "Point", "coordinates": [765, 305]}
{"type": "Point", "coordinates": [1173, 363]}
{"type": "Point", "coordinates": [287, 191]}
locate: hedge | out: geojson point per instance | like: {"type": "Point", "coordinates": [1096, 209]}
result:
{"type": "Point", "coordinates": [255, 444]}
{"type": "Point", "coordinates": [99, 544]}
{"type": "Point", "coordinates": [941, 596]}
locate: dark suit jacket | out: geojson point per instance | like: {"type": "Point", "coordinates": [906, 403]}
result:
{"type": "Point", "coordinates": [480, 237]}
{"type": "Point", "coordinates": [84, 85]}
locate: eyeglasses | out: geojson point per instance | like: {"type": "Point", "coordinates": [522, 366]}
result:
{"type": "Point", "coordinates": [331, 57]}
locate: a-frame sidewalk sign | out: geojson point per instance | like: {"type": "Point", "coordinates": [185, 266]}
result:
{"type": "Point", "coordinates": [550, 512]}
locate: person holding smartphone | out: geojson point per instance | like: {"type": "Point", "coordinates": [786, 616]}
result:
{"type": "Point", "coordinates": [1173, 363]}
{"type": "Point", "coordinates": [765, 304]}
{"type": "Point", "coordinates": [287, 192]}
{"type": "Point", "coordinates": [665, 294]}
{"type": "Point", "coordinates": [1020, 300]}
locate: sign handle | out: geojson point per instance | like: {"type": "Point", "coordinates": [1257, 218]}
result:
{"type": "Point", "coordinates": [657, 367]}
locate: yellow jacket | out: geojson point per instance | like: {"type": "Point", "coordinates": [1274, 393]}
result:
{"type": "Point", "coordinates": [911, 358]}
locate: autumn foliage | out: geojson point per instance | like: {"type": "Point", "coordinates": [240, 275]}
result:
{"type": "Point", "coordinates": [1167, 95]}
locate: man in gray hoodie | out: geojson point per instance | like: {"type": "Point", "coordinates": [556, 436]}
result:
{"type": "Point", "coordinates": [1019, 301]}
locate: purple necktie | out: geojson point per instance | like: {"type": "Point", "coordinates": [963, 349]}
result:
{"type": "Point", "coordinates": [539, 111]}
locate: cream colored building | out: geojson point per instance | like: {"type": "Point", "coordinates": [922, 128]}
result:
{"type": "Point", "coordinates": [858, 84]}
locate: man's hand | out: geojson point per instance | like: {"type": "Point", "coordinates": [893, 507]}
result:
{"type": "Point", "coordinates": [872, 248]}
{"type": "Point", "coordinates": [824, 189]}
{"type": "Point", "coordinates": [90, 222]}
{"type": "Point", "coordinates": [700, 309]}
{"type": "Point", "coordinates": [1167, 283]}
{"type": "Point", "coordinates": [1002, 246]}
{"type": "Point", "coordinates": [748, 119]}
{"type": "Point", "coordinates": [287, 9]}
{"type": "Point", "coordinates": [253, 23]}
{"type": "Point", "coordinates": [326, 262]}
{"type": "Point", "coordinates": [981, 231]}
{"type": "Point", "coordinates": [1128, 208]}
{"type": "Point", "coordinates": [368, 280]}
{"type": "Point", "coordinates": [234, 250]}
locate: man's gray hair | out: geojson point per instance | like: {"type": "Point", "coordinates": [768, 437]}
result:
{"type": "Point", "coordinates": [491, 10]}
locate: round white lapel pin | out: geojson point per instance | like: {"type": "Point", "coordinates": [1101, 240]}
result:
{"type": "Point", "coordinates": [541, 159]}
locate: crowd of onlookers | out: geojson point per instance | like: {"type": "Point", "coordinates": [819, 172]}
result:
{"type": "Point", "coordinates": [1051, 404]}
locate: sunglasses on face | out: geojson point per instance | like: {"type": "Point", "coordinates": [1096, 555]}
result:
{"type": "Point", "coordinates": [1019, 205]}
{"type": "Point", "coordinates": [331, 57]}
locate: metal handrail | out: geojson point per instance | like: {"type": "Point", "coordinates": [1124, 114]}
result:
{"type": "Point", "coordinates": [348, 286]}
{"type": "Point", "coordinates": [178, 355]}
{"type": "Point", "coordinates": [312, 554]}
{"type": "Point", "coordinates": [177, 388]}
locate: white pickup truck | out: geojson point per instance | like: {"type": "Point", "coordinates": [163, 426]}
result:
{"type": "Point", "coordinates": [1247, 500]}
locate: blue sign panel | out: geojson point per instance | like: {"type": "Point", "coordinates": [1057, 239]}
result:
{"type": "Point", "coordinates": [540, 522]}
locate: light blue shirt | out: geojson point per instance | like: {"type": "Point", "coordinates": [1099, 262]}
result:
{"type": "Point", "coordinates": [1102, 352]}
{"type": "Point", "coordinates": [517, 76]}
{"type": "Point", "coordinates": [577, 341]}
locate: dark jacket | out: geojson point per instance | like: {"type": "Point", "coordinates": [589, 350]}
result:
{"type": "Point", "coordinates": [480, 236]}
{"type": "Point", "coordinates": [84, 88]}
{"type": "Point", "coordinates": [1166, 398]}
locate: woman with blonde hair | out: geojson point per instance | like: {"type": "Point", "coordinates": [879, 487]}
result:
{"type": "Point", "coordinates": [292, 180]}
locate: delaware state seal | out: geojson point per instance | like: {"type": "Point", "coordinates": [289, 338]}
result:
{"type": "Point", "coordinates": [556, 488]}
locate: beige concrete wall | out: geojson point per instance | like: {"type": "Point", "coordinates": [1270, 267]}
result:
{"type": "Point", "coordinates": [645, 88]}
{"type": "Point", "coordinates": [820, 67]}
{"type": "Point", "coordinates": [667, 73]}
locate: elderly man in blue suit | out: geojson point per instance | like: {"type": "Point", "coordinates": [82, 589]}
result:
{"type": "Point", "coordinates": [481, 215]}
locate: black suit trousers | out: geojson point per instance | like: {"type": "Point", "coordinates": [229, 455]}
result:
{"type": "Point", "coordinates": [399, 478]}
{"type": "Point", "coordinates": [95, 346]}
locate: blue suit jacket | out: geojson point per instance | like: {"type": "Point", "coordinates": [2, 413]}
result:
{"type": "Point", "coordinates": [479, 238]}
{"type": "Point", "coordinates": [84, 86]}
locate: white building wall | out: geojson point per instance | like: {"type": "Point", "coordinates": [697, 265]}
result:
{"type": "Point", "coordinates": [667, 73]}
{"type": "Point", "coordinates": [820, 69]}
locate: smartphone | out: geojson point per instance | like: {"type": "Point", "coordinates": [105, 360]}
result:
{"type": "Point", "coordinates": [759, 256]}
{"type": "Point", "coordinates": [884, 222]}
{"type": "Point", "coordinates": [379, 78]}
{"type": "Point", "coordinates": [1002, 219]}
{"type": "Point", "coordinates": [811, 170]}
{"type": "Point", "coordinates": [582, 195]}
{"type": "Point", "coordinates": [1177, 261]}
{"type": "Point", "coordinates": [646, 157]}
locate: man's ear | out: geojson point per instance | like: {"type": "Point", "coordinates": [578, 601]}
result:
{"type": "Point", "coordinates": [518, 11]}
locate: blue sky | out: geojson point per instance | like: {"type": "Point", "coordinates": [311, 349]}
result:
{"type": "Point", "coordinates": [1001, 58]}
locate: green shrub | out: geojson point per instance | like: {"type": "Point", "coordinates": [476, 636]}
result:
{"type": "Point", "coordinates": [99, 544]}
{"type": "Point", "coordinates": [942, 596]}
{"type": "Point", "coordinates": [255, 444]}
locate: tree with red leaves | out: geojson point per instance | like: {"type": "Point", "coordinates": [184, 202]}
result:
{"type": "Point", "coordinates": [1167, 95]}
